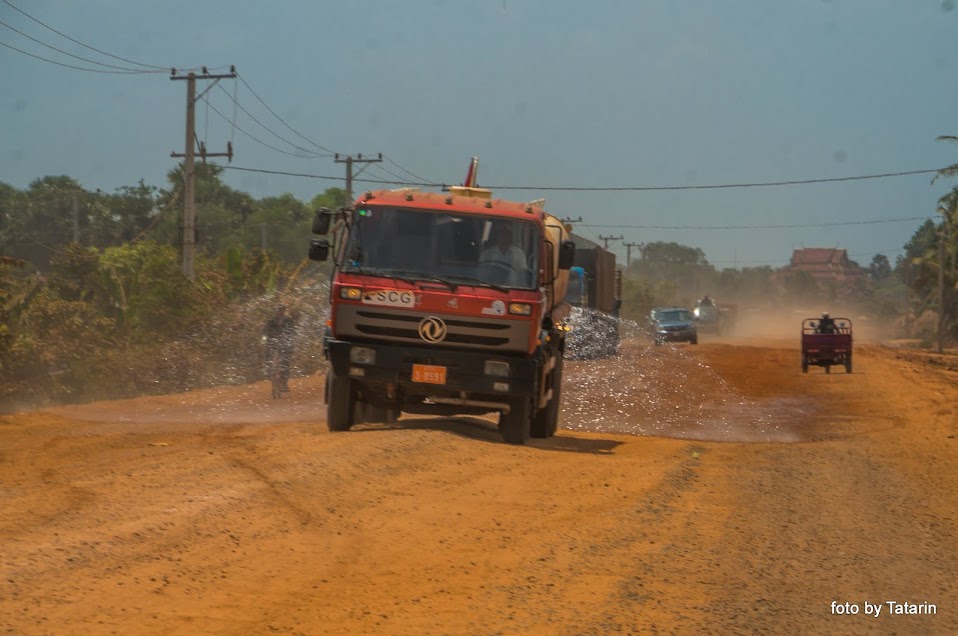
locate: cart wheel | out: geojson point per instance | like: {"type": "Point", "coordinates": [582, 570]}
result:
{"type": "Point", "coordinates": [848, 364]}
{"type": "Point", "coordinates": [804, 364]}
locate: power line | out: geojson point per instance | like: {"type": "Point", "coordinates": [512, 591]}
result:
{"type": "Point", "coordinates": [116, 57]}
{"type": "Point", "coordinates": [388, 171]}
{"type": "Point", "coordinates": [412, 174]}
{"type": "Point", "coordinates": [256, 139]}
{"type": "Point", "coordinates": [764, 184]}
{"type": "Point", "coordinates": [322, 177]}
{"type": "Point", "coordinates": [282, 121]}
{"type": "Point", "coordinates": [267, 128]}
{"type": "Point", "coordinates": [884, 175]}
{"type": "Point", "coordinates": [764, 227]}
{"type": "Point", "coordinates": [78, 57]}
{"type": "Point", "coordinates": [79, 68]}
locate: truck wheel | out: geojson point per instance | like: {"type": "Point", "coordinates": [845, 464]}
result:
{"type": "Point", "coordinates": [694, 339]}
{"type": "Point", "coordinates": [516, 425]}
{"type": "Point", "coordinates": [804, 364]}
{"type": "Point", "coordinates": [341, 402]}
{"type": "Point", "coordinates": [546, 420]}
{"type": "Point", "coordinates": [848, 364]}
{"type": "Point", "coordinates": [828, 368]}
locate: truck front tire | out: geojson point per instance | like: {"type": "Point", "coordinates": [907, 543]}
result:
{"type": "Point", "coordinates": [516, 425]}
{"type": "Point", "coordinates": [546, 420]}
{"type": "Point", "coordinates": [341, 402]}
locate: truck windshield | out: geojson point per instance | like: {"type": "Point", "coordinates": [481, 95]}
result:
{"type": "Point", "coordinates": [457, 248]}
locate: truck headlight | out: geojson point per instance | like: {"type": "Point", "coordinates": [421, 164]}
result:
{"type": "Point", "coordinates": [350, 293]}
{"type": "Point", "coordinates": [497, 368]}
{"type": "Point", "coordinates": [520, 309]}
{"type": "Point", "coordinates": [362, 355]}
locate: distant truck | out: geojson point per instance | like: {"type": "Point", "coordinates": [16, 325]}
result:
{"type": "Point", "coordinates": [443, 304]}
{"type": "Point", "coordinates": [595, 293]}
{"type": "Point", "coordinates": [713, 317]}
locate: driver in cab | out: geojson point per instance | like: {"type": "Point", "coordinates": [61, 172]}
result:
{"type": "Point", "coordinates": [504, 254]}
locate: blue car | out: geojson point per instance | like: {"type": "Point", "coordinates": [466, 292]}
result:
{"type": "Point", "coordinates": [673, 324]}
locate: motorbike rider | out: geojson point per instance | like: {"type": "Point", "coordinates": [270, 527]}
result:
{"type": "Point", "coordinates": [827, 324]}
{"type": "Point", "coordinates": [278, 333]}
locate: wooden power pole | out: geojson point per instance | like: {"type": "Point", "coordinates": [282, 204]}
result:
{"type": "Point", "coordinates": [941, 287]}
{"type": "Point", "coordinates": [628, 253]}
{"type": "Point", "coordinates": [349, 160]}
{"type": "Point", "coordinates": [610, 238]}
{"type": "Point", "coordinates": [189, 157]}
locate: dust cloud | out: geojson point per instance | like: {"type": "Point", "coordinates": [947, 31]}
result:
{"type": "Point", "coordinates": [668, 391]}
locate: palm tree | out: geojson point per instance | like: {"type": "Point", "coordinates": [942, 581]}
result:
{"type": "Point", "coordinates": [952, 170]}
{"type": "Point", "coordinates": [948, 208]}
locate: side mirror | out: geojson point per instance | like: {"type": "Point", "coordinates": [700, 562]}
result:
{"type": "Point", "coordinates": [566, 254]}
{"type": "Point", "coordinates": [321, 221]}
{"type": "Point", "coordinates": [318, 250]}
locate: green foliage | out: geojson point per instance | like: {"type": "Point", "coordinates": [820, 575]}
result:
{"type": "Point", "coordinates": [639, 296]}
{"type": "Point", "coordinates": [332, 198]}
{"type": "Point", "coordinates": [917, 267]}
{"type": "Point", "coordinates": [880, 268]}
{"type": "Point", "coordinates": [146, 291]}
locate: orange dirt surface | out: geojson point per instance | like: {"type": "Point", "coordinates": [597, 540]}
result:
{"type": "Point", "coordinates": [710, 489]}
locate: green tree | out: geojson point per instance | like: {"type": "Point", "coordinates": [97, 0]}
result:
{"type": "Point", "coordinates": [148, 294]}
{"type": "Point", "coordinates": [680, 265]}
{"type": "Point", "coordinates": [917, 266]}
{"type": "Point", "coordinates": [280, 224]}
{"type": "Point", "coordinates": [331, 198]}
{"type": "Point", "coordinates": [880, 268]}
{"type": "Point", "coordinates": [132, 211]}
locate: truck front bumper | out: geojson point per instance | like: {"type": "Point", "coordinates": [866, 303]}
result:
{"type": "Point", "coordinates": [389, 368]}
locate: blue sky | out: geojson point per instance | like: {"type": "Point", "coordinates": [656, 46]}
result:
{"type": "Point", "coordinates": [618, 93]}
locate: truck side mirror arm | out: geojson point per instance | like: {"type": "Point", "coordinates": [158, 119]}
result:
{"type": "Point", "coordinates": [566, 254]}
{"type": "Point", "coordinates": [318, 250]}
{"type": "Point", "coordinates": [322, 220]}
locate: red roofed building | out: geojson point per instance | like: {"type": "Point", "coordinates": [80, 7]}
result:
{"type": "Point", "coordinates": [826, 265]}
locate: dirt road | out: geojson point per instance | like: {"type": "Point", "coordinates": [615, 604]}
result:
{"type": "Point", "coordinates": [693, 490]}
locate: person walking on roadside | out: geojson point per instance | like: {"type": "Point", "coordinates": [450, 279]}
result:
{"type": "Point", "coordinates": [278, 333]}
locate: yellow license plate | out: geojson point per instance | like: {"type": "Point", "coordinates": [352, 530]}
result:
{"type": "Point", "coordinates": [428, 374]}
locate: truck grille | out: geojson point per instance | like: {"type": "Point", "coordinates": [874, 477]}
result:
{"type": "Point", "coordinates": [498, 333]}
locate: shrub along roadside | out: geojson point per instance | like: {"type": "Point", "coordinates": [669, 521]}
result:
{"type": "Point", "coordinates": [121, 322]}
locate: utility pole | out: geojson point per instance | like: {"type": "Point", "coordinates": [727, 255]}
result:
{"type": "Point", "coordinates": [610, 238]}
{"type": "Point", "coordinates": [76, 218]}
{"type": "Point", "coordinates": [628, 253]}
{"type": "Point", "coordinates": [189, 156]}
{"type": "Point", "coordinates": [349, 160]}
{"type": "Point", "coordinates": [941, 287]}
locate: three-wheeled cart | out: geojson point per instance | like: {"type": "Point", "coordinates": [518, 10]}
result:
{"type": "Point", "coordinates": [826, 349]}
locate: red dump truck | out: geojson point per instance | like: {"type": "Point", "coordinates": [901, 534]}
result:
{"type": "Point", "coordinates": [445, 303]}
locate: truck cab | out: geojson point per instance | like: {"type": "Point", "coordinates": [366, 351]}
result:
{"type": "Point", "coordinates": [445, 304]}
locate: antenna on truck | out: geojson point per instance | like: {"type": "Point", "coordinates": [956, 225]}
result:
{"type": "Point", "coordinates": [472, 173]}
{"type": "Point", "coordinates": [469, 187]}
